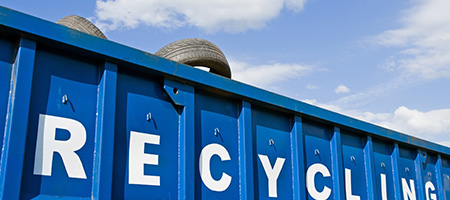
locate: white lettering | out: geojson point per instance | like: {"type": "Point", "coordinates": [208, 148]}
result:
{"type": "Point", "coordinates": [137, 159]}
{"type": "Point", "coordinates": [272, 173]}
{"type": "Point", "coordinates": [348, 186]}
{"type": "Point", "coordinates": [429, 186]}
{"type": "Point", "coordinates": [46, 145]}
{"type": "Point", "coordinates": [205, 171]}
{"type": "Point", "coordinates": [310, 184]}
{"type": "Point", "coordinates": [383, 187]}
{"type": "Point", "coordinates": [408, 193]}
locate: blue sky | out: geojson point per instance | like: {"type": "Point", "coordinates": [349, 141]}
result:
{"type": "Point", "coordinates": [382, 61]}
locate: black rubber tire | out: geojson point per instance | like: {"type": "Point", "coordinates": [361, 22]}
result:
{"type": "Point", "coordinates": [197, 52]}
{"type": "Point", "coordinates": [81, 24]}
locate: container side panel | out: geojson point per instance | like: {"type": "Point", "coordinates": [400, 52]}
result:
{"type": "Point", "coordinates": [13, 149]}
{"type": "Point", "coordinates": [298, 159]}
{"type": "Point", "coordinates": [273, 154]}
{"type": "Point", "coordinates": [354, 169]}
{"type": "Point", "coordinates": [146, 144]}
{"type": "Point", "coordinates": [60, 141]}
{"type": "Point", "coordinates": [6, 60]}
{"type": "Point", "coordinates": [439, 179]}
{"type": "Point", "coordinates": [384, 179]}
{"type": "Point", "coordinates": [104, 138]}
{"type": "Point", "coordinates": [428, 171]}
{"type": "Point", "coordinates": [446, 177]}
{"type": "Point", "coordinates": [246, 158]}
{"type": "Point", "coordinates": [407, 170]}
{"type": "Point", "coordinates": [370, 171]}
{"type": "Point", "coordinates": [217, 147]}
{"type": "Point", "coordinates": [337, 164]}
{"type": "Point", "coordinates": [319, 182]}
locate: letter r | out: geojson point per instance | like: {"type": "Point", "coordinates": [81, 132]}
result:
{"type": "Point", "coordinates": [46, 145]}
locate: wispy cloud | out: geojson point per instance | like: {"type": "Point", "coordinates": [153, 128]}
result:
{"type": "Point", "coordinates": [341, 89]}
{"type": "Point", "coordinates": [433, 125]}
{"type": "Point", "coordinates": [312, 87]}
{"type": "Point", "coordinates": [266, 76]}
{"type": "Point", "coordinates": [376, 91]}
{"type": "Point", "coordinates": [424, 39]}
{"type": "Point", "coordinates": [211, 16]}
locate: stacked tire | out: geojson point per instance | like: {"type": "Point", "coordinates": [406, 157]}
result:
{"type": "Point", "coordinates": [81, 24]}
{"type": "Point", "coordinates": [193, 51]}
{"type": "Point", "coordinates": [197, 52]}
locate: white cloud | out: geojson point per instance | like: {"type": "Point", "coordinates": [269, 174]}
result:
{"type": "Point", "coordinates": [424, 124]}
{"type": "Point", "coordinates": [433, 125]}
{"type": "Point", "coordinates": [211, 16]}
{"type": "Point", "coordinates": [425, 39]}
{"type": "Point", "coordinates": [265, 76]}
{"type": "Point", "coordinates": [341, 89]}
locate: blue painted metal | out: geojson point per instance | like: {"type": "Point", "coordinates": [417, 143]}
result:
{"type": "Point", "coordinates": [445, 170]}
{"type": "Point", "coordinates": [396, 172]}
{"type": "Point", "coordinates": [439, 178]}
{"type": "Point", "coordinates": [6, 62]}
{"type": "Point", "coordinates": [337, 165]}
{"type": "Point", "coordinates": [265, 145]}
{"type": "Point", "coordinates": [187, 182]}
{"type": "Point", "coordinates": [317, 150]}
{"type": "Point", "coordinates": [246, 166]}
{"type": "Point", "coordinates": [272, 139]}
{"type": "Point", "coordinates": [298, 168]}
{"type": "Point", "coordinates": [369, 165]}
{"type": "Point", "coordinates": [419, 162]}
{"type": "Point", "coordinates": [16, 120]}
{"type": "Point", "coordinates": [354, 160]}
{"type": "Point", "coordinates": [104, 144]}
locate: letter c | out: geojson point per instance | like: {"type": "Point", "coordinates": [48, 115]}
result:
{"type": "Point", "coordinates": [205, 171]}
{"type": "Point", "coordinates": [310, 184]}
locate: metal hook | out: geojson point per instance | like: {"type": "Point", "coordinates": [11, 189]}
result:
{"type": "Point", "coordinates": [64, 99]}
{"type": "Point", "coordinates": [216, 132]}
{"type": "Point", "coordinates": [316, 152]}
{"type": "Point", "coordinates": [383, 165]}
{"type": "Point", "coordinates": [271, 142]}
{"type": "Point", "coordinates": [149, 116]}
{"type": "Point", "coordinates": [352, 158]}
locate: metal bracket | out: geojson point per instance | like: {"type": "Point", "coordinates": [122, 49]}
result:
{"type": "Point", "coordinates": [177, 91]}
{"type": "Point", "coordinates": [423, 158]}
